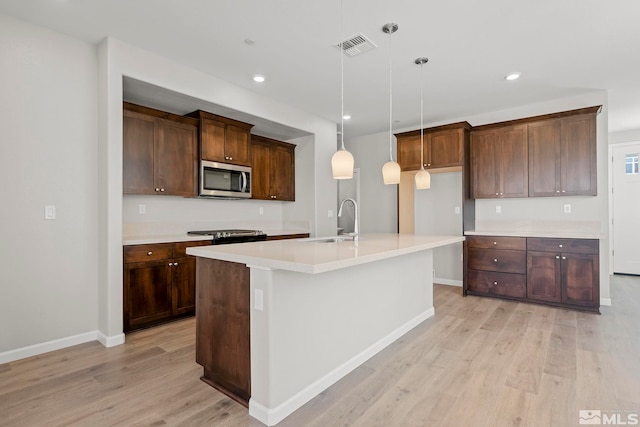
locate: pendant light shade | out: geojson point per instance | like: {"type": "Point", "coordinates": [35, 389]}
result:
{"type": "Point", "coordinates": [342, 164]}
{"type": "Point", "coordinates": [391, 172]}
{"type": "Point", "coordinates": [391, 169]}
{"type": "Point", "coordinates": [342, 160]}
{"type": "Point", "coordinates": [422, 178]}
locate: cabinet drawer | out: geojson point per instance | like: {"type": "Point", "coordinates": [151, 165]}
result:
{"type": "Point", "coordinates": [141, 253]}
{"type": "Point", "coordinates": [505, 284]}
{"type": "Point", "coordinates": [575, 246]}
{"type": "Point", "coordinates": [505, 261]}
{"type": "Point", "coordinates": [180, 248]}
{"type": "Point", "coordinates": [489, 242]}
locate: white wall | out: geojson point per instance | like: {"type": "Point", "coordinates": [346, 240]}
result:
{"type": "Point", "coordinates": [625, 136]}
{"type": "Point", "coordinates": [378, 202]}
{"type": "Point", "coordinates": [48, 156]}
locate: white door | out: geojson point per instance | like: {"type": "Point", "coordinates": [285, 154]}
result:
{"type": "Point", "coordinates": [626, 209]}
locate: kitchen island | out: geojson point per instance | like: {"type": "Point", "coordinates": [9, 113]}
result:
{"type": "Point", "coordinates": [308, 311]}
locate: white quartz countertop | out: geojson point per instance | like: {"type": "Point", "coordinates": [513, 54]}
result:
{"type": "Point", "coordinates": [560, 234]}
{"type": "Point", "coordinates": [315, 256]}
{"type": "Point", "coordinates": [184, 237]}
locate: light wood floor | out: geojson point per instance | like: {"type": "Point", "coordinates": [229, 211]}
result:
{"type": "Point", "coordinates": [477, 362]}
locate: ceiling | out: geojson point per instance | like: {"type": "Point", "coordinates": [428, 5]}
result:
{"type": "Point", "coordinates": [561, 48]}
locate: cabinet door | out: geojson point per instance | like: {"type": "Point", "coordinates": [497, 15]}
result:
{"type": "Point", "coordinates": [283, 173]}
{"type": "Point", "coordinates": [237, 145]}
{"type": "Point", "coordinates": [183, 284]}
{"type": "Point", "coordinates": [147, 293]}
{"type": "Point", "coordinates": [580, 279]}
{"type": "Point", "coordinates": [578, 156]}
{"type": "Point", "coordinates": [512, 164]}
{"type": "Point", "coordinates": [484, 167]}
{"type": "Point", "coordinates": [543, 276]}
{"type": "Point", "coordinates": [544, 158]}
{"type": "Point", "coordinates": [137, 153]}
{"type": "Point", "coordinates": [212, 137]}
{"type": "Point", "coordinates": [409, 152]}
{"type": "Point", "coordinates": [176, 158]}
{"type": "Point", "coordinates": [445, 149]}
{"type": "Point", "coordinates": [260, 171]}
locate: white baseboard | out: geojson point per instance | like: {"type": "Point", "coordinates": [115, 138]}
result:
{"type": "Point", "coordinates": [447, 282]}
{"type": "Point", "coordinates": [273, 416]}
{"type": "Point", "coordinates": [46, 347]}
{"type": "Point", "coordinates": [110, 341]}
{"type": "Point", "coordinates": [605, 301]}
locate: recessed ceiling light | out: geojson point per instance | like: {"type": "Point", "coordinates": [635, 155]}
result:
{"type": "Point", "coordinates": [346, 117]}
{"type": "Point", "coordinates": [258, 78]}
{"type": "Point", "coordinates": [512, 76]}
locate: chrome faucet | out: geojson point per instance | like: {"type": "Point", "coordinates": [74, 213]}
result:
{"type": "Point", "coordinates": [354, 235]}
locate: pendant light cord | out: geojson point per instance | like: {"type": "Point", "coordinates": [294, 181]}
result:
{"type": "Point", "coordinates": [421, 120]}
{"type": "Point", "coordinates": [341, 78]}
{"type": "Point", "coordinates": [390, 102]}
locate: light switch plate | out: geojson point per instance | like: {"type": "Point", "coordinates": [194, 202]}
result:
{"type": "Point", "coordinates": [50, 212]}
{"type": "Point", "coordinates": [567, 208]}
{"type": "Point", "coordinates": [142, 209]}
{"type": "Point", "coordinates": [258, 300]}
{"type": "Point", "coordinates": [498, 209]}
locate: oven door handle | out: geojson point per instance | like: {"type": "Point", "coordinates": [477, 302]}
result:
{"type": "Point", "coordinates": [244, 182]}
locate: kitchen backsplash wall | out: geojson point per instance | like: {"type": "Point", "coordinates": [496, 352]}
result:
{"type": "Point", "coordinates": [175, 215]}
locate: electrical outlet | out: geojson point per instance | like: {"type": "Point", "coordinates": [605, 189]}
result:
{"type": "Point", "coordinates": [258, 300]}
{"type": "Point", "coordinates": [498, 209]}
{"type": "Point", "coordinates": [567, 208]}
{"type": "Point", "coordinates": [142, 209]}
{"type": "Point", "coordinates": [330, 213]}
{"type": "Point", "coordinates": [261, 210]}
{"type": "Point", "coordinates": [457, 210]}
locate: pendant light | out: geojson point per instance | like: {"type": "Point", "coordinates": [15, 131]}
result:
{"type": "Point", "coordinates": [391, 169]}
{"type": "Point", "coordinates": [342, 160]}
{"type": "Point", "coordinates": [423, 178]}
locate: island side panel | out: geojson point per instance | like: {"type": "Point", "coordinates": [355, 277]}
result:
{"type": "Point", "coordinates": [315, 328]}
{"type": "Point", "coordinates": [222, 326]}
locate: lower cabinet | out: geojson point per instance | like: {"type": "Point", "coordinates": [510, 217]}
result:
{"type": "Point", "coordinates": [158, 283]}
{"type": "Point", "coordinates": [561, 272]}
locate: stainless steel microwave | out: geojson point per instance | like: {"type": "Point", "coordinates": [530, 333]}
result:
{"type": "Point", "coordinates": [224, 180]}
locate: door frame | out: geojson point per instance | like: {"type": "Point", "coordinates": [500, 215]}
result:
{"type": "Point", "coordinates": [610, 189]}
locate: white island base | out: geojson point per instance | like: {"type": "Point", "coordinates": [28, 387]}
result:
{"type": "Point", "coordinates": [311, 323]}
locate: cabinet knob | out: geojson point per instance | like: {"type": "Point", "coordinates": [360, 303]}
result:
{"type": "Point", "coordinates": [564, 257]}
{"type": "Point", "coordinates": [495, 243]}
{"type": "Point", "coordinates": [495, 260]}
{"type": "Point", "coordinates": [175, 264]}
{"type": "Point", "coordinates": [424, 164]}
{"type": "Point", "coordinates": [428, 164]}
{"type": "Point", "coordinates": [497, 194]}
{"type": "Point", "coordinates": [557, 256]}
{"type": "Point", "coordinates": [162, 190]}
{"type": "Point", "coordinates": [157, 189]}
{"type": "Point", "coordinates": [170, 264]}
{"type": "Point", "coordinates": [230, 158]}
{"type": "Point", "coordinates": [557, 191]}
{"type": "Point", "coordinates": [563, 191]}
{"type": "Point", "coordinates": [495, 283]}
{"type": "Point", "coordinates": [559, 246]}
{"type": "Point", "coordinates": [149, 253]}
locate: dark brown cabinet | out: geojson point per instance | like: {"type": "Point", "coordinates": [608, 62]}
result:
{"type": "Point", "coordinates": [158, 283]}
{"type": "Point", "coordinates": [566, 271]}
{"type": "Point", "coordinates": [159, 152]}
{"type": "Point", "coordinates": [443, 147]}
{"type": "Point", "coordinates": [222, 139]}
{"type": "Point", "coordinates": [562, 157]}
{"type": "Point", "coordinates": [273, 169]}
{"type": "Point", "coordinates": [499, 162]}
{"type": "Point", "coordinates": [561, 272]}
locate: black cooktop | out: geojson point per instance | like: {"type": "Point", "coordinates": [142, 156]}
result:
{"type": "Point", "coordinates": [237, 235]}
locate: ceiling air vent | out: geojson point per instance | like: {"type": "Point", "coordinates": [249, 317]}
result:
{"type": "Point", "coordinates": [356, 45]}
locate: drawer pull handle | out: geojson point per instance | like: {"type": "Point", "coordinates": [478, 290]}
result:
{"type": "Point", "coordinates": [149, 253]}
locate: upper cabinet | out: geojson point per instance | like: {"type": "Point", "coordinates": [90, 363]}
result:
{"type": "Point", "coordinates": [443, 147]}
{"type": "Point", "coordinates": [222, 139]}
{"type": "Point", "coordinates": [562, 157]}
{"type": "Point", "coordinates": [159, 152]}
{"type": "Point", "coordinates": [273, 169]}
{"type": "Point", "coordinates": [499, 162]}
{"type": "Point", "coordinates": [550, 155]}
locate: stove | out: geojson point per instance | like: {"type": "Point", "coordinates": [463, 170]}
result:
{"type": "Point", "coordinates": [221, 237]}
